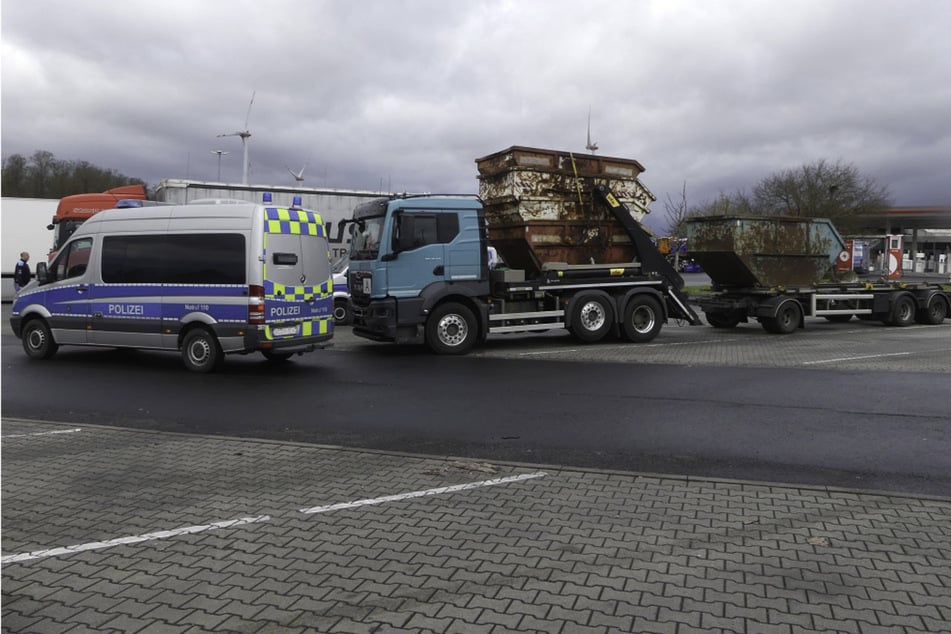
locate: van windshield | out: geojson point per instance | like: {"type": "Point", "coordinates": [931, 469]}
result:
{"type": "Point", "coordinates": [365, 244]}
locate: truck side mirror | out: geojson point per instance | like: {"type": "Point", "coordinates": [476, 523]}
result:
{"type": "Point", "coordinates": [42, 275]}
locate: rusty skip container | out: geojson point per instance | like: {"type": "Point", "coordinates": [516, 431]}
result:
{"type": "Point", "coordinates": [540, 206]}
{"type": "Point", "coordinates": [764, 251]}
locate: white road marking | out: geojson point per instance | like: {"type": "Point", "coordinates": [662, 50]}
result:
{"type": "Point", "coordinates": [419, 494]}
{"type": "Point", "coordinates": [44, 433]}
{"type": "Point", "coordinates": [874, 356]}
{"type": "Point", "coordinates": [188, 530]}
{"type": "Point", "coordinates": [132, 539]}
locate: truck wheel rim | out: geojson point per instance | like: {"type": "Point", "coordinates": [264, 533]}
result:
{"type": "Point", "coordinates": [453, 330]}
{"type": "Point", "coordinates": [593, 316]}
{"type": "Point", "coordinates": [642, 319]}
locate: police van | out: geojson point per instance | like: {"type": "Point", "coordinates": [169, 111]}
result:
{"type": "Point", "coordinates": [204, 279]}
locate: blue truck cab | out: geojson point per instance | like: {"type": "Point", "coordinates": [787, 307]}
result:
{"type": "Point", "coordinates": [408, 256]}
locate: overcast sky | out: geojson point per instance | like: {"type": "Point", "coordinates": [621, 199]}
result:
{"type": "Point", "coordinates": [404, 95]}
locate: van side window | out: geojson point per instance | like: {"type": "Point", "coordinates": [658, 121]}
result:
{"type": "Point", "coordinates": [73, 261]}
{"type": "Point", "coordinates": [203, 258]}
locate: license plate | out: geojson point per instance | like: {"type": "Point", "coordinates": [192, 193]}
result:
{"type": "Point", "coordinates": [367, 283]}
{"type": "Point", "coordinates": [284, 331]}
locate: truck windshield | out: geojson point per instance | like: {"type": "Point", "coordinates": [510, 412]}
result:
{"type": "Point", "coordinates": [365, 244]}
{"type": "Point", "coordinates": [63, 230]}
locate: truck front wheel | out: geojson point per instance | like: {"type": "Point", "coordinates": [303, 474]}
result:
{"type": "Point", "coordinates": [451, 329]}
{"type": "Point", "coordinates": [591, 318]}
{"type": "Point", "coordinates": [643, 319]}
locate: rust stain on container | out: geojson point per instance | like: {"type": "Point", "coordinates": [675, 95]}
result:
{"type": "Point", "coordinates": [540, 207]}
{"type": "Point", "coordinates": [764, 251]}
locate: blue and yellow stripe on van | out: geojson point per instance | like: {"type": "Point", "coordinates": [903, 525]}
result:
{"type": "Point", "coordinates": [279, 220]}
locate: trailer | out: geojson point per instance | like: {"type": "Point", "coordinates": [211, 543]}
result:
{"type": "Point", "coordinates": [780, 271]}
{"type": "Point", "coordinates": [565, 226]}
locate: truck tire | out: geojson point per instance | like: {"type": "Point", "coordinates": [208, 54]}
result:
{"type": "Point", "coordinates": [200, 351]}
{"type": "Point", "coordinates": [787, 319]}
{"type": "Point", "coordinates": [591, 318]}
{"type": "Point", "coordinates": [934, 313]}
{"type": "Point", "coordinates": [38, 340]}
{"type": "Point", "coordinates": [451, 329]}
{"type": "Point", "coordinates": [643, 319]}
{"type": "Point", "coordinates": [903, 311]}
{"type": "Point", "coordinates": [342, 313]}
{"type": "Point", "coordinates": [722, 320]}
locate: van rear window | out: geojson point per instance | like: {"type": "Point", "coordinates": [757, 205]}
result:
{"type": "Point", "coordinates": [201, 258]}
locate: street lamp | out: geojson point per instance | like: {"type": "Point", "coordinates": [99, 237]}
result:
{"type": "Point", "coordinates": [219, 153]}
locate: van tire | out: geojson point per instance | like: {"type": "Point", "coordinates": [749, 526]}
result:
{"type": "Point", "coordinates": [342, 314]}
{"type": "Point", "coordinates": [200, 351]}
{"type": "Point", "coordinates": [38, 340]}
{"type": "Point", "coordinates": [451, 329]}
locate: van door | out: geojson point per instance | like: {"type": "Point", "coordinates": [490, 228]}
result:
{"type": "Point", "coordinates": [297, 299]}
{"type": "Point", "coordinates": [67, 296]}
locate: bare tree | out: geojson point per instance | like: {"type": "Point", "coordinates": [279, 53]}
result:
{"type": "Point", "coordinates": [819, 189]}
{"type": "Point", "coordinates": [677, 214]}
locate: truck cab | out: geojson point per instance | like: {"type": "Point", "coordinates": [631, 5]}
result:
{"type": "Point", "coordinates": [409, 254]}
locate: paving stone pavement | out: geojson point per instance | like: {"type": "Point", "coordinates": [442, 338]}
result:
{"type": "Point", "coordinates": [178, 533]}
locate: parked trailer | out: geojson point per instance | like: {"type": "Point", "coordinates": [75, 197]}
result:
{"type": "Point", "coordinates": [771, 269]}
{"type": "Point", "coordinates": [419, 266]}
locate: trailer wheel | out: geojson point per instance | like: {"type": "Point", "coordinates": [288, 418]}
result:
{"type": "Point", "coordinates": [591, 318]}
{"type": "Point", "coordinates": [903, 311]}
{"type": "Point", "coordinates": [786, 321]}
{"type": "Point", "coordinates": [451, 329]}
{"type": "Point", "coordinates": [722, 320]}
{"type": "Point", "coordinates": [200, 351]}
{"type": "Point", "coordinates": [342, 314]}
{"type": "Point", "coordinates": [934, 313]}
{"type": "Point", "coordinates": [643, 319]}
{"type": "Point", "coordinates": [38, 340]}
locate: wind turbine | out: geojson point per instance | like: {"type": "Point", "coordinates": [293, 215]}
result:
{"type": "Point", "coordinates": [298, 176]}
{"type": "Point", "coordinates": [591, 147]}
{"type": "Point", "coordinates": [244, 134]}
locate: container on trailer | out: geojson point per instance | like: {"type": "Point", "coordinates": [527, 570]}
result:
{"type": "Point", "coordinates": [764, 251]}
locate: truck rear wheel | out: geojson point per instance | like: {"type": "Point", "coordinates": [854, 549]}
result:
{"type": "Point", "coordinates": [451, 329]}
{"type": "Point", "coordinates": [38, 340]}
{"type": "Point", "coordinates": [787, 319]}
{"type": "Point", "coordinates": [934, 313]}
{"type": "Point", "coordinates": [591, 318]}
{"type": "Point", "coordinates": [643, 319]}
{"type": "Point", "coordinates": [903, 311]}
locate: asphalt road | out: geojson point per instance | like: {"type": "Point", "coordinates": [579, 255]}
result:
{"type": "Point", "coordinates": [857, 405]}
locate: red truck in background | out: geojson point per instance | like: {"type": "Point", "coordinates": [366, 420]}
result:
{"type": "Point", "coordinates": [74, 210]}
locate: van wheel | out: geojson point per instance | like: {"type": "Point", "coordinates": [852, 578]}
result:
{"type": "Point", "coordinates": [903, 311]}
{"type": "Point", "coordinates": [643, 319]}
{"type": "Point", "coordinates": [38, 340]}
{"type": "Point", "coordinates": [934, 313]}
{"type": "Point", "coordinates": [591, 318]}
{"type": "Point", "coordinates": [200, 351]}
{"type": "Point", "coordinates": [341, 312]}
{"type": "Point", "coordinates": [451, 329]}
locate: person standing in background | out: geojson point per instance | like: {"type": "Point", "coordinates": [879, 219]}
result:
{"type": "Point", "coordinates": [22, 275]}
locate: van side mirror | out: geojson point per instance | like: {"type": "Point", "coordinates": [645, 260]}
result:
{"type": "Point", "coordinates": [42, 275]}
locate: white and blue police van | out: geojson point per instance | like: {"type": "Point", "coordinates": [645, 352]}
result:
{"type": "Point", "coordinates": [203, 279]}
